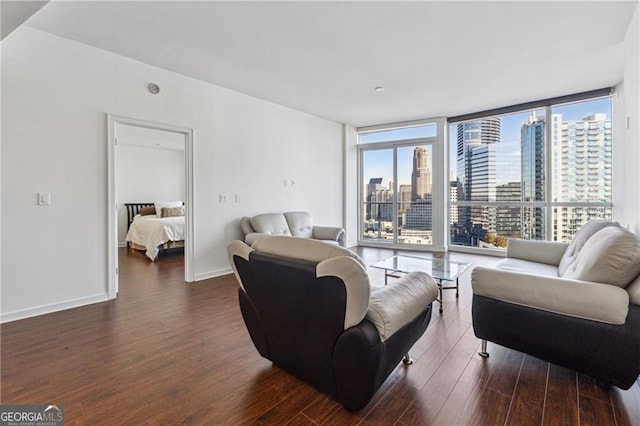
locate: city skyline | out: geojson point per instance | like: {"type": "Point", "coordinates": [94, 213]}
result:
{"type": "Point", "coordinates": [580, 168]}
{"type": "Point", "coordinates": [507, 151]}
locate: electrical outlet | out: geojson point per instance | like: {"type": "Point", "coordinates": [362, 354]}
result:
{"type": "Point", "coordinates": [44, 198]}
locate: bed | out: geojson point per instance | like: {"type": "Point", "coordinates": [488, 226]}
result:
{"type": "Point", "coordinates": [150, 232]}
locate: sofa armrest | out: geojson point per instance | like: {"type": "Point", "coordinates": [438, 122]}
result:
{"type": "Point", "coordinates": [397, 304]}
{"type": "Point", "coordinates": [333, 233]}
{"type": "Point", "coordinates": [581, 299]}
{"type": "Point", "coordinates": [549, 252]}
{"type": "Point", "coordinates": [254, 236]}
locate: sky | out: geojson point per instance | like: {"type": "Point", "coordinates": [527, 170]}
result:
{"type": "Point", "coordinates": [379, 163]}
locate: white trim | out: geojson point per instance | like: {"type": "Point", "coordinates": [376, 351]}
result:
{"type": "Point", "coordinates": [401, 125]}
{"type": "Point", "coordinates": [55, 307]}
{"type": "Point", "coordinates": [439, 182]}
{"type": "Point", "coordinates": [189, 242]}
{"type": "Point", "coordinates": [478, 250]}
{"type": "Point", "coordinates": [427, 248]}
{"type": "Point", "coordinates": [214, 274]}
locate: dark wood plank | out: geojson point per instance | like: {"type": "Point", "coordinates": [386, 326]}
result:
{"type": "Point", "coordinates": [528, 400]}
{"type": "Point", "coordinates": [561, 403]}
{"type": "Point", "coordinates": [168, 352]}
{"type": "Point", "coordinates": [626, 405]}
{"type": "Point", "coordinates": [595, 412]}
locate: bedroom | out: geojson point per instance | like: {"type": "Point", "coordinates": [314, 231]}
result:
{"type": "Point", "coordinates": [150, 192]}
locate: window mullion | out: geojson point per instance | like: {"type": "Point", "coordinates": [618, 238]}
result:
{"type": "Point", "coordinates": [548, 169]}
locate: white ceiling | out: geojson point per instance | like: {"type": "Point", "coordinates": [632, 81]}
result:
{"type": "Point", "coordinates": [325, 58]}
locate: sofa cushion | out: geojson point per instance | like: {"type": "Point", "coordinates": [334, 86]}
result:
{"type": "Point", "coordinates": [393, 306]}
{"type": "Point", "coordinates": [519, 265]}
{"type": "Point", "coordinates": [300, 224]}
{"type": "Point", "coordinates": [580, 299]}
{"type": "Point", "coordinates": [610, 256]}
{"type": "Point", "coordinates": [578, 241]}
{"type": "Point", "coordinates": [245, 225]}
{"type": "Point", "coordinates": [634, 291]}
{"type": "Point", "coordinates": [270, 223]}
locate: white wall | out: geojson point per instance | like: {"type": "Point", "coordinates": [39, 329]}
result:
{"type": "Point", "coordinates": [626, 191]}
{"type": "Point", "coordinates": [351, 186]}
{"type": "Point", "coordinates": [146, 174]}
{"type": "Point", "coordinates": [55, 97]}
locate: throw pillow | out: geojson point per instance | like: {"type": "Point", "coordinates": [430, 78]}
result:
{"type": "Point", "coordinates": [145, 211]}
{"type": "Point", "coordinates": [160, 204]}
{"type": "Point", "coordinates": [171, 211]}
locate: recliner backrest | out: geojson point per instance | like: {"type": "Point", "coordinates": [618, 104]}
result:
{"type": "Point", "coordinates": [331, 260]}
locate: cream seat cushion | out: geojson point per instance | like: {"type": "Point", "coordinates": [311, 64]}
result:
{"type": "Point", "coordinates": [519, 265]}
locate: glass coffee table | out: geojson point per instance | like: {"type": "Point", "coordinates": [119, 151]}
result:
{"type": "Point", "coordinates": [440, 269]}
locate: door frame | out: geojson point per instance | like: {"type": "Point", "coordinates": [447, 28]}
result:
{"type": "Point", "coordinates": [112, 207]}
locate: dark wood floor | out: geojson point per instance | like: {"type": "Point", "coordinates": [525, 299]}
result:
{"type": "Point", "coordinates": [167, 352]}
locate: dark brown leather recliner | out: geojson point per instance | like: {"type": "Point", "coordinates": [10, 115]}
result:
{"type": "Point", "coordinates": [309, 308]}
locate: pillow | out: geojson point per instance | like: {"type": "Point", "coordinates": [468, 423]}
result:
{"type": "Point", "coordinates": [584, 233]}
{"type": "Point", "coordinates": [171, 211]}
{"type": "Point", "coordinates": [160, 204]}
{"type": "Point", "coordinates": [300, 224]}
{"type": "Point", "coordinates": [145, 211]}
{"type": "Point", "coordinates": [610, 256]}
{"type": "Point", "coordinates": [270, 223]}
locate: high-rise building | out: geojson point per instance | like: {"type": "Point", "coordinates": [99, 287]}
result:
{"type": "Point", "coordinates": [581, 165]}
{"type": "Point", "coordinates": [379, 201]}
{"type": "Point", "coordinates": [420, 215]}
{"type": "Point", "coordinates": [508, 218]}
{"type": "Point", "coordinates": [453, 196]}
{"type": "Point", "coordinates": [404, 197]}
{"type": "Point", "coordinates": [533, 154]}
{"type": "Point", "coordinates": [582, 172]}
{"type": "Point", "coordinates": [421, 174]}
{"type": "Point", "coordinates": [476, 177]}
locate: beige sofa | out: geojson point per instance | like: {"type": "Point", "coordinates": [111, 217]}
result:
{"type": "Point", "coordinates": [576, 305]}
{"type": "Point", "coordinates": [289, 224]}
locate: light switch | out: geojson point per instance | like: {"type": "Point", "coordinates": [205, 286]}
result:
{"type": "Point", "coordinates": [44, 198]}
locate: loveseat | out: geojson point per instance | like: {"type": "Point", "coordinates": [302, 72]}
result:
{"type": "Point", "coordinates": [576, 305]}
{"type": "Point", "coordinates": [291, 224]}
{"type": "Point", "coordinates": [309, 308]}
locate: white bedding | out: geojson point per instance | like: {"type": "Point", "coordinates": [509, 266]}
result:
{"type": "Point", "coordinates": [152, 231]}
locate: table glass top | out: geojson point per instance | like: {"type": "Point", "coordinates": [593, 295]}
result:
{"type": "Point", "coordinates": [440, 269]}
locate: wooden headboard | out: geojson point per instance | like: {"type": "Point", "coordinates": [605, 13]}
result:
{"type": "Point", "coordinates": [133, 209]}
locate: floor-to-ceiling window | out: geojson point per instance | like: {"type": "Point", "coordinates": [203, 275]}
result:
{"type": "Point", "coordinates": [398, 185]}
{"type": "Point", "coordinates": [535, 173]}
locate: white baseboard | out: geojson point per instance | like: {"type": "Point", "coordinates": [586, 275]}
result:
{"type": "Point", "coordinates": [213, 274]}
{"type": "Point", "coordinates": [47, 309]}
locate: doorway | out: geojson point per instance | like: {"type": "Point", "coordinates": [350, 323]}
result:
{"type": "Point", "coordinates": [127, 140]}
